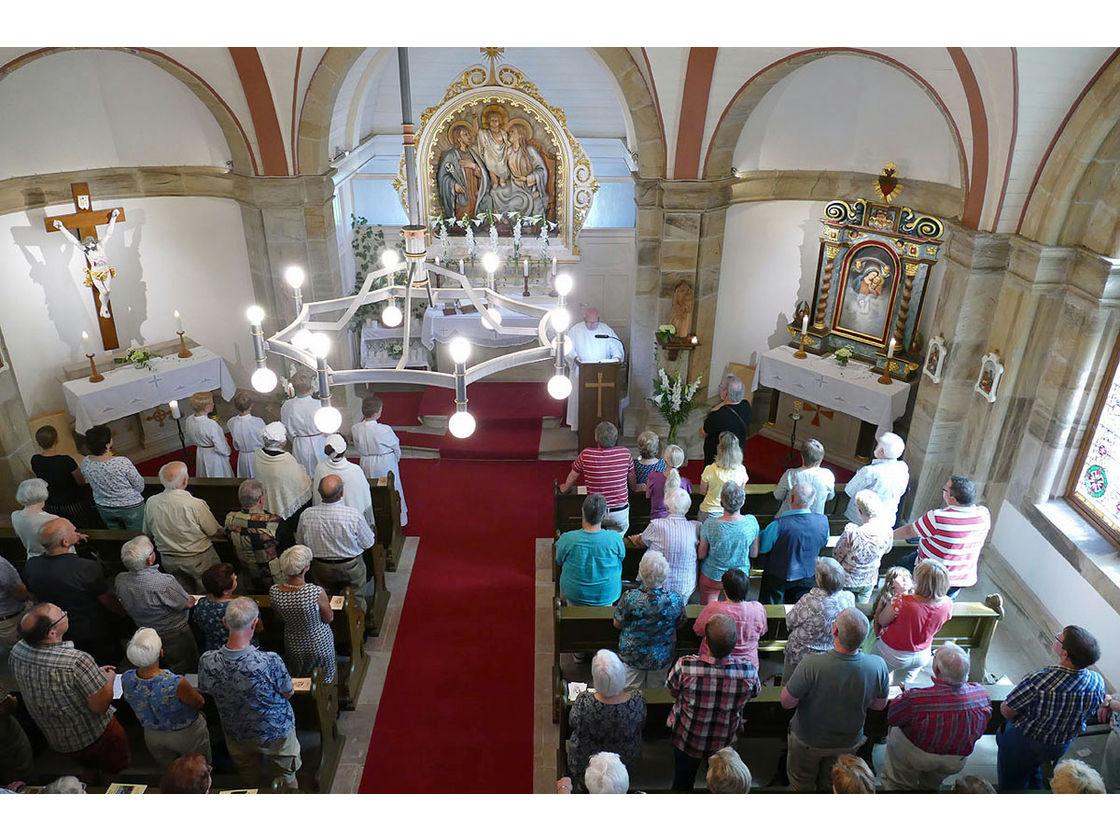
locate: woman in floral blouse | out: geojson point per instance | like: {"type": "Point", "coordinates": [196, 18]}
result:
{"type": "Point", "coordinates": [610, 718]}
{"type": "Point", "coordinates": [648, 618]}
{"type": "Point", "coordinates": [861, 547]}
{"type": "Point", "coordinates": [811, 618]}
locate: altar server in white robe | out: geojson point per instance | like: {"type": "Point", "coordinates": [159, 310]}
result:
{"type": "Point", "coordinates": [298, 417]}
{"type": "Point", "coordinates": [211, 447]}
{"type": "Point", "coordinates": [287, 486]}
{"type": "Point", "coordinates": [379, 448]}
{"type": "Point", "coordinates": [355, 485]}
{"type": "Point", "coordinates": [591, 341]}
{"type": "Point", "coordinates": [245, 429]}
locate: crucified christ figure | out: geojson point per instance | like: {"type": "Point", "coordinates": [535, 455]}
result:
{"type": "Point", "coordinates": [99, 274]}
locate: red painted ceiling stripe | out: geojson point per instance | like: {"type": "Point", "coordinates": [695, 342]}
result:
{"type": "Point", "coordinates": [694, 110]}
{"type": "Point", "coordinates": [974, 198]}
{"type": "Point", "coordinates": [1014, 134]}
{"type": "Point", "coordinates": [261, 108]}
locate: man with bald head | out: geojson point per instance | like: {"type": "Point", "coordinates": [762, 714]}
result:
{"type": "Point", "coordinates": [792, 543]}
{"type": "Point", "coordinates": [77, 585]}
{"type": "Point", "coordinates": [181, 527]}
{"type": "Point", "coordinates": [935, 729]}
{"type": "Point", "coordinates": [337, 535]}
{"type": "Point", "coordinates": [591, 341]}
{"type": "Point", "coordinates": [832, 692]}
{"type": "Point", "coordinates": [710, 691]}
{"type": "Point", "coordinates": [67, 695]}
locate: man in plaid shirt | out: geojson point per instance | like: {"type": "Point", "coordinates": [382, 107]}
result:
{"type": "Point", "coordinates": [1047, 710]}
{"type": "Point", "coordinates": [257, 536]}
{"type": "Point", "coordinates": [933, 730]}
{"type": "Point", "coordinates": [710, 692]}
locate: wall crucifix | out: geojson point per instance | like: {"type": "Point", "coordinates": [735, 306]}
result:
{"type": "Point", "coordinates": [98, 274]}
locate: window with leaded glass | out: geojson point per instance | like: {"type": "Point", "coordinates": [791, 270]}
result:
{"type": "Point", "coordinates": [1095, 485]}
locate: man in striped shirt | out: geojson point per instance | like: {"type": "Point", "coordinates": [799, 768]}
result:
{"type": "Point", "coordinates": [934, 729]}
{"type": "Point", "coordinates": [606, 469]}
{"type": "Point", "coordinates": [953, 534]}
{"type": "Point", "coordinates": [1048, 709]}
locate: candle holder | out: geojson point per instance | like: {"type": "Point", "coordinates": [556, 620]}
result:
{"type": "Point", "coordinates": [526, 292]}
{"type": "Point", "coordinates": [801, 354]}
{"type": "Point", "coordinates": [184, 353]}
{"type": "Point", "coordinates": [94, 376]}
{"type": "Point", "coordinates": [885, 379]}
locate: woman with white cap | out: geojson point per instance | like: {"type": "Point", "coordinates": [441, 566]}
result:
{"type": "Point", "coordinates": [355, 485]}
{"type": "Point", "coordinates": [287, 486]}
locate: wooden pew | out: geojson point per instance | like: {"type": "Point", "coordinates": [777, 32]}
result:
{"type": "Point", "coordinates": [221, 495]}
{"type": "Point", "coordinates": [349, 639]}
{"type": "Point", "coordinates": [760, 502]}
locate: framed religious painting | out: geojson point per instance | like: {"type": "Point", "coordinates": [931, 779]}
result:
{"type": "Point", "coordinates": [991, 372]}
{"type": "Point", "coordinates": [868, 286]}
{"type": "Point", "coordinates": [935, 359]}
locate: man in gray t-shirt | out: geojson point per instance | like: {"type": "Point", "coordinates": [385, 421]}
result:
{"type": "Point", "coordinates": [832, 693]}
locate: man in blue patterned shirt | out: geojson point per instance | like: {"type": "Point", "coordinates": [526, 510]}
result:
{"type": "Point", "coordinates": [1047, 710]}
{"type": "Point", "coordinates": [251, 688]}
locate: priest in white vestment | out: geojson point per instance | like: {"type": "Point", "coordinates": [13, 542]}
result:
{"type": "Point", "coordinates": [379, 448]}
{"type": "Point", "coordinates": [245, 429]}
{"type": "Point", "coordinates": [298, 417]}
{"type": "Point", "coordinates": [591, 341]}
{"type": "Point", "coordinates": [287, 486]}
{"type": "Point", "coordinates": [211, 458]}
{"type": "Point", "coordinates": [355, 485]}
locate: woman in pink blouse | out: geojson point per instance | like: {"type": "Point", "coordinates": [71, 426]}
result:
{"type": "Point", "coordinates": [911, 621]}
{"type": "Point", "coordinates": [749, 616]}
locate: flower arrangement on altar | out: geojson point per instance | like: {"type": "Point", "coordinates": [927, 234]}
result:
{"type": "Point", "coordinates": [138, 357]}
{"type": "Point", "coordinates": [673, 397]}
{"type": "Point", "coordinates": [843, 356]}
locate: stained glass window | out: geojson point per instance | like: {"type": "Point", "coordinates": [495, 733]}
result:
{"type": "Point", "coordinates": [1095, 486]}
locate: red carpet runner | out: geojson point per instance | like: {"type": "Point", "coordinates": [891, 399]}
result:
{"type": "Point", "coordinates": [456, 714]}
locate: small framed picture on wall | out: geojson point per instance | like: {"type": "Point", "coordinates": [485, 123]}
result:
{"type": "Point", "coordinates": [935, 358]}
{"type": "Point", "coordinates": [991, 371]}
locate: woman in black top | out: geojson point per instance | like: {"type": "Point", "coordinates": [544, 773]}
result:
{"type": "Point", "coordinates": [733, 415]}
{"type": "Point", "coordinates": [69, 495]}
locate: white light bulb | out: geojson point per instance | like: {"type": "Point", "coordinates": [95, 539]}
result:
{"type": "Point", "coordinates": [390, 258]}
{"type": "Point", "coordinates": [490, 262]}
{"type": "Point", "coordinates": [263, 380]}
{"type": "Point", "coordinates": [319, 345]}
{"type": "Point", "coordinates": [461, 424]}
{"type": "Point", "coordinates": [559, 387]}
{"type": "Point", "coordinates": [495, 315]}
{"type": "Point", "coordinates": [255, 315]}
{"type": "Point", "coordinates": [563, 283]}
{"type": "Point", "coordinates": [302, 339]}
{"type": "Point", "coordinates": [459, 349]}
{"type": "Point", "coordinates": [561, 319]}
{"type": "Point", "coordinates": [328, 419]}
{"type": "Point", "coordinates": [391, 315]}
{"type": "Point", "coordinates": [294, 276]}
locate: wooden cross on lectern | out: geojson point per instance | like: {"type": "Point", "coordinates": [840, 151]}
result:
{"type": "Point", "coordinates": [85, 221]}
{"type": "Point", "coordinates": [598, 385]}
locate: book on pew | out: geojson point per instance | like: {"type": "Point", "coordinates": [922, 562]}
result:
{"type": "Point", "coordinates": [117, 787]}
{"type": "Point", "coordinates": [240, 790]}
{"type": "Point", "coordinates": [337, 602]}
{"type": "Point", "coordinates": [301, 684]}
{"type": "Point", "coordinates": [581, 490]}
{"type": "Point", "coordinates": [575, 689]}
{"type": "Point", "coordinates": [118, 687]}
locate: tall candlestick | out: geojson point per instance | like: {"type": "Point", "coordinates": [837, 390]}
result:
{"type": "Point", "coordinates": [804, 324]}
{"type": "Point", "coordinates": [460, 266]}
{"type": "Point", "coordinates": [554, 266]}
{"type": "Point", "coordinates": [174, 406]}
{"type": "Point", "coordinates": [178, 322]}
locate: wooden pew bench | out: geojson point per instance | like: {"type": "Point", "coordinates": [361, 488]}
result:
{"type": "Point", "coordinates": [760, 502]}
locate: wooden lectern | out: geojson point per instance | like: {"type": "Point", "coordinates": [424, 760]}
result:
{"type": "Point", "coordinates": [600, 390]}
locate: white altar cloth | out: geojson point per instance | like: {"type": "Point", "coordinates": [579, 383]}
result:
{"type": "Point", "coordinates": [129, 390]}
{"type": "Point", "coordinates": [851, 389]}
{"type": "Point", "coordinates": [443, 328]}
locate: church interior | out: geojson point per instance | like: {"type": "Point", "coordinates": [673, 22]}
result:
{"type": "Point", "coordinates": [734, 194]}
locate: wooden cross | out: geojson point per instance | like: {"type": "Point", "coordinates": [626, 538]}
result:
{"type": "Point", "coordinates": [85, 221]}
{"type": "Point", "coordinates": [598, 385]}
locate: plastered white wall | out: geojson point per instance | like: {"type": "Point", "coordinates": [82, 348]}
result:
{"type": "Point", "coordinates": [170, 253]}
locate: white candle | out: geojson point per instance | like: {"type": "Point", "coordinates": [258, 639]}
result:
{"type": "Point", "coordinates": [174, 406]}
{"type": "Point", "coordinates": [85, 344]}
{"type": "Point", "coordinates": [890, 349]}
{"type": "Point", "coordinates": [554, 266]}
{"type": "Point", "coordinates": [804, 324]}
{"type": "Point", "coordinates": [695, 340]}
{"type": "Point", "coordinates": [526, 268]}
{"type": "Point", "coordinates": [460, 266]}
{"type": "Point", "coordinates": [178, 322]}
{"type": "Point", "coordinates": [437, 260]}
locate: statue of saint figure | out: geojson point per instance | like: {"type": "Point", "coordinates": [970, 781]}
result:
{"type": "Point", "coordinates": [527, 169]}
{"type": "Point", "coordinates": [463, 179]}
{"type": "Point", "coordinates": [491, 142]}
{"type": "Point", "coordinates": [99, 274]}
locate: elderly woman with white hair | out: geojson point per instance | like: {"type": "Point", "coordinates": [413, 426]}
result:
{"type": "Point", "coordinates": [726, 542]}
{"type": "Point", "coordinates": [677, 539]}
{"type": "Point", "coordinates": [608, 718]}
{"type": "Point", "coordinates": [860, 548]}
{"type": "Point", "coordinates": [886, 476]}
{"type": "Point", "coordinates": [167, 706]}
{"type": "Point", "coordinates": [810, 620]}
{"type": "Point", "coordinates": [648, 618]}
{"type": "Point", "coordinates": [306, 612]}
{"type": "Point", "coordinates": [647, 461]}
{"type": "Point", "coordinates": [606, 774]}
{"type": "Point", "coordinates": [727, 773]}
{"type": "Point", "coordinates": [32, 494]}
